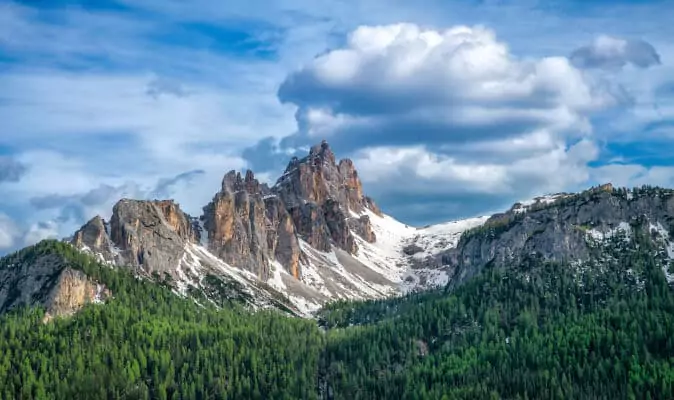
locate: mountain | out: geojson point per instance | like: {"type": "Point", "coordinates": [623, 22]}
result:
{"type": "Point", "coordinates": [312, 237]}
{"type": "Point", "coordinates": [563, 296]}
{"type": "Point", "coordinates": [565, 228]}
{"type": "Point", "coordinates": [596, 329]}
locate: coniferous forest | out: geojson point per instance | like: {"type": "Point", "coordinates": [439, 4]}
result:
{"type": "Point", "coordinates": [538, 330]}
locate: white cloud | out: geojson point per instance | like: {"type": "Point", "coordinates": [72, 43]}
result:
{"type": "Point", "coordinates": [631, 175]}
{"type": "Point", "coordinates": [85, 105]}
{"type": "Point", "coordinates": [445, 86]}
{"type": "Point", "coordinates": [416, 169]}
{"type": "Point", "coordinates": [449, 112]}
{"type": "Point", "coordinates": [8, 232]}
{"type": "Point", "coordinates": [41, 231]}
{"type": "Point", "coordinates": [607, 52]}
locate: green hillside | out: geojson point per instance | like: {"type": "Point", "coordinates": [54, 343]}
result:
{"type": "Point", "coordinates": [537, 330]}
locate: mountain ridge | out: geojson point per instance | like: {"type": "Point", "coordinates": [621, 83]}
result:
{"type": "Point", "coordinates": [313, 236]}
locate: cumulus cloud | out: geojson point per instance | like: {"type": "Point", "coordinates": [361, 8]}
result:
{"type": "Point", "coordinates": [608, 52]}
{"type": "Point", "coordinates": [401, 83]}
{"type": "Point", "coordinates": [447, 113]}
{"type": "Point", "coordinates": [425, 172]}
{"type": "Point", "coordinates": [11, 170]}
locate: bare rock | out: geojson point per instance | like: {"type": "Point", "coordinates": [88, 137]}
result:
{"type": "Point", "coordinates": [72, 291]}
{"type": "Point", "coordinates": [362, 227]}
{"type": "Point", "coordinates": [236, 223]}
{"type": "Point", "coordinates": [281, 236]}
{"type": "Point", "coordinates": [45, 280]}
{"type": "Point", "coordinates": [412, 249]}
{"type": "Point", "coordinates": [93, 237]}
{"type": "Point", "coordinates": [321, 197]}
{"type": "Point", "coordinates": [147, 237]}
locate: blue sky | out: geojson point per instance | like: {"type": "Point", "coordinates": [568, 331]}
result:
{"type": "Point", "coordinates": [449, 109]}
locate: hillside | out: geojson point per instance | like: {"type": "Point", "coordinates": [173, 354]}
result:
{"type": "Point", "coordinates": [536, 329]}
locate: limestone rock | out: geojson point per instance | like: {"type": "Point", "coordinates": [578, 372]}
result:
{"type": "Point", "coordinates": [46, 280]}
{"type": "Point", "coordinates": [281, 236]}
{"type": "Point", "coordinates": [72, 291]}
{"type": "Point", "coordinates": [321, 196]}
{"type": "Point", "coordinates": [93, 237]}
{"type": "Point", "coordinates": [237, 225]}
{"type": "Point", "coordinates": [557, 231]}
{"type": "Point", "coordinates": [147, 237]}
{"type": "Point", "coordinates": [362, 227]}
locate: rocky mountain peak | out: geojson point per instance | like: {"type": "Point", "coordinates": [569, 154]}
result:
{"type": "Point", "coordinates": [149, 235]}
{"type": "Point", "coordinates": [322, 195]}
{"type": "Point", "coordinates": [248, 228]}
{"type": "Point", "coordinates": [315, 216]}
{"type": "Point", "coordinates": [234, 182]}
{"type": "Point", "coordinates": [318, 178]}
{"type": "Point", "coordinates": [322, 152]}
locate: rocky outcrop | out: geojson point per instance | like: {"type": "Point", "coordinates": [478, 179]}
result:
{"type": "Point", "coordinates": [249, 227]}
{"type": "Point", "coordinates": [561, 230]}
{"type": "Point", "coordinates": [46, 280]}
{"type": "Point", "coordinates": [281, 236]}
{"type": "Point", "coordinates": [72, 291]}
{"type": "Point", "coordinates": [177, 220]}
{"type": "Point", "coordinates": [93, 237]}
{"type": "Point", "coordinates": [362, 227]}
{"type": "Point", "coordinates": [321, 195]}
{"type": "Point", "coordinates": [150, 234]}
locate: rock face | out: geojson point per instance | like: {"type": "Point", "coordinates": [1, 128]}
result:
{"type": "Point", "coordinates": [281, 236]}
{"type": "Point", "coordinates": [72, 291]}
{"type": "Point", "coordinates": [321, 195]}
{"type": "Point", "coordinates": [249, 227]}
{"type": "Point", "coordinates": [561, 230]}
{"type": "Point", "coordinates": [149, 235]}
{"type": "Point", "coordinates": [94, 237]}
{"type": "Point", "coordinates": [146, 237]}
{"type": "Point", "coordinates": [46, 280]}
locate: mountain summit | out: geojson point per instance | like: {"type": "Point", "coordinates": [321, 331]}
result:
{"type": "Point", "coordinates": [311, 237]}
{"type": "Point", "coordinates": [314, 236]}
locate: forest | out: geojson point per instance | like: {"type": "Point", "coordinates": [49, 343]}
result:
{"type": "Point", "coordinates": [537, 330]}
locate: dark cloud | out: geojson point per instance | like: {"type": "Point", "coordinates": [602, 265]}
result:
{"type": "Point", "coordinates": [79, 207]}
{"type": "Point", "coordinates": [165, 86]}
{"type": "Point", "coordinates": [613, 53]}
{"type": "Point", "coordinates": [166, 186]}
{"type": "Point", "coordinates": [11, 170]}
{"type": "Point", "coordinates": [420, 210]}
{"type": "Point", "coordinates": [272, 155]}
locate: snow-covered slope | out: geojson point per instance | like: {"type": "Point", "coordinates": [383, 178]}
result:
{"type": "Point", "coordinates": [526, 205]}
{"type": "Point", "coordinates": [437, 238]}
{"type": "Point", "coordinates": [378, 269]}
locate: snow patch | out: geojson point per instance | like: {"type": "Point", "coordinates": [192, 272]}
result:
{"type": "Point", "coordinates": [622, 228]}
{"type": "Point", "coordinates": [276, 280]}
{"type": "Point", "coordinates": [525, 205]}
{"type": "Point", "coordinates": [424, 278]}
{"type": "Point", "coordinates": [669, 248]}
{"type": "Point", "coordinates": [435, 239]}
